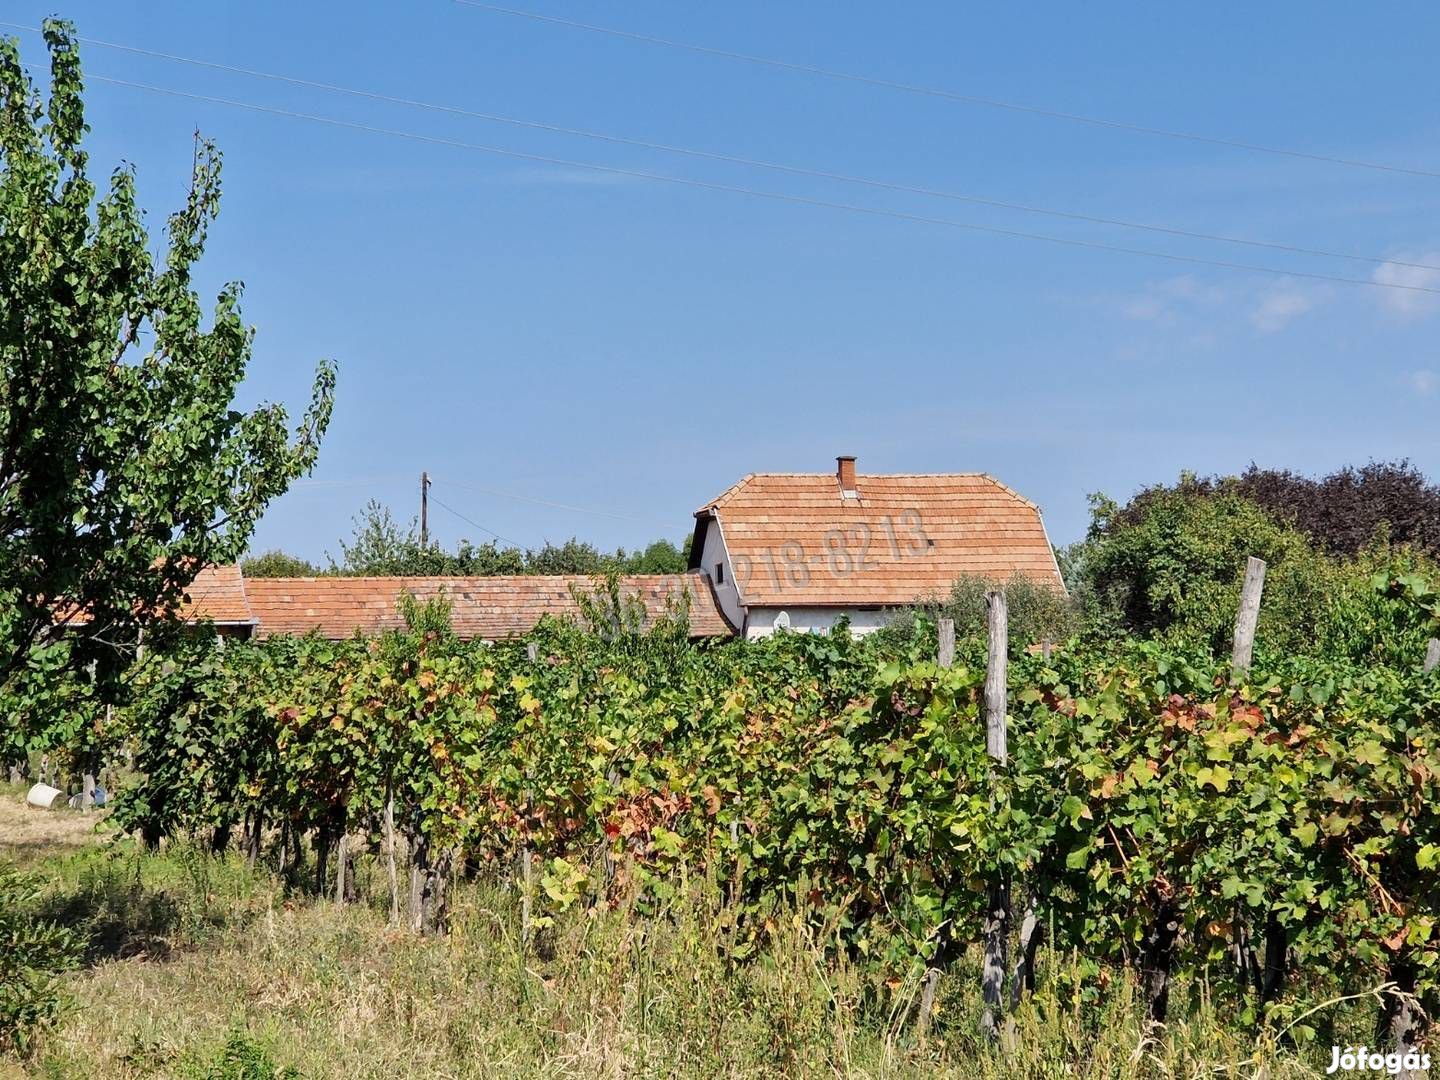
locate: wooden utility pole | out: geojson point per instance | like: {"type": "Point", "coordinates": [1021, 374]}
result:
{"type": "Point", "coordinates": [1247, 617]}
{"type": "Point", "coordinates": [424, 509]}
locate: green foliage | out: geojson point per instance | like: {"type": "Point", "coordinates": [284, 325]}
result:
{"type": "Point", "coordinates": [832, 777]}
{"type": "Point", "coordinates": [124, 466]}
{"type": "Point", "coordinates": [381, 546]}
{"type": "Point", "coordinates": [1174, 569]}
{"type": "Point", "coordinates": [241, 1058]}
{"type": "Point", "coordinates": [1170, 565]}
{"type": "Point", "coordinates": [1035, 611]}
{"type": "Point", "coordinates": [33, 955]}
{"type": "Point", "coordinates": [277, 563]}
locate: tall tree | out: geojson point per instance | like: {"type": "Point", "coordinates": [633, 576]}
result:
{"type": "Point", "coordinates": [124, 465]}
{"type": "Point", "coordinates": [277, 563]}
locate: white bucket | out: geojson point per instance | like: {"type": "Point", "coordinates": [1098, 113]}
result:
{"type": "Point", "coordinates": [44, 797]}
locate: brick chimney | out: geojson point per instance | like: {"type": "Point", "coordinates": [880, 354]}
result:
{"type": "Point", "coordinates": [845, 472]}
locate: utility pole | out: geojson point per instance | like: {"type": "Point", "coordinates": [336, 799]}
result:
{"type": "Point", "coordinates": [424, 509]}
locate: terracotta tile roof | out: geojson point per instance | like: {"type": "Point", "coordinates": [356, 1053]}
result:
{"type": "Point", "coordinates": [218, 594]}
{"type": "Point", "coordinates": [794, 539]}
{"type": "Point", "coordinates": [489, 608]}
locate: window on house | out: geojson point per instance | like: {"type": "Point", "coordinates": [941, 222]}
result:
{"type": "Point", "coordinates": [719, 573]}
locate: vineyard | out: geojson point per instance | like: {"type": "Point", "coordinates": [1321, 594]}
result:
{"type": "Point", "coordinates": [1269, 834]}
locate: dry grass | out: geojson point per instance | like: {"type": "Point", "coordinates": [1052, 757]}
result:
{"type": "Point", "coordinates": [29, 836]}
{"type": "Point", "coordinates": [199, 968]}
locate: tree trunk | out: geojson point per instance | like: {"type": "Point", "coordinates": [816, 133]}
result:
{"type": "Point", "coordinates": [1031, 932]}
{"type": "Point", "coordinates": [344, 878]}
{"type": "Point", "coordinates": [1277, 947]}
{"type": "Point", "coordinates": [429, 887]}
{"type": "Point", "coordinates": [1158, 959]}
{"type": "Point", "coordinates": [1401, 1021]}
{"type": "Point", "coordinates": [254, 830]}
{"type": "Point", "coordinates": [322, 858]}
{"type": "Point", "coordinates": [931, 988]}
{"type": "Point", "coordinates": [997, 955]}
{"type": "Point", "coordinates": [219, 839]}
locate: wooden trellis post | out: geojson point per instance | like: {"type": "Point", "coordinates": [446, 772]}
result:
{"type": "Point", "coordinates": [944, 657]}
{"type": "Point", "coordinates": [1432, 654]}
{"type": "Point", "coordinates": [997, 904]}
{"type": "Point", "coordinates": [1247, 617]}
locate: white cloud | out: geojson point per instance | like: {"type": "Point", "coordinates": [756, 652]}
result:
{"type": "Point", "coordinates": [1423, 382]}
{"type": "Point", "coordinates": [1281, 306]}
{"type": "Point", "coordinates": [1408, 302]}
{"type": "Point", "coordinates": [1165, 301]}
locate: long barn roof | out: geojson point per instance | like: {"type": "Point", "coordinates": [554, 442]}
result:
{"type": "Point", "coordinates": [488, 608]}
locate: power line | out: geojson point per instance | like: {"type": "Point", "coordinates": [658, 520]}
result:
{"type": "Point", "coordinates": [794, 170]}
{"type": "Point", "coordinates": [949, 95]}
{"type": "Point", "coordinates": [469, 521]}
{"type": "Point", "coordinates": [799, 200]}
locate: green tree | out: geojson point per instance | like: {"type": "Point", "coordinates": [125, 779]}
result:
{"type": "Point", "coordinates": [572, 557]}
{"type": "Point", "coordinates": [382, 547]}
{"type": "Point", "coordinates": [661, 557]}
{"type": "Point", "coordinates": [278, 563]}
{"type": "Point", "coordinates": [1172, 567]}
{"type": "Point", "coordinates": [124, 465]}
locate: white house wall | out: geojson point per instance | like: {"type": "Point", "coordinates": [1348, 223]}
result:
{"type": "Point", "coordinates": [712, 556]}
{"type": "Point", "coordinates": [813, 620]}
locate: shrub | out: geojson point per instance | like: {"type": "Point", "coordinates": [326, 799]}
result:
{"type": "Point", "coordinates": [241, 1058]}
{"type": "Point", "coordinates": [33, 955]}
{"type": "Point", "coordinates": [1170, 565]}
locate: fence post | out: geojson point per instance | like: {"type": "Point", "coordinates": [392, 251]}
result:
{"type": "Point", "coordinates": [944, 657]}
{"type": "Point", "coordinates": [996, 676]}
{"type": "Point", "coordinates": [389, 826]}
{"type": "Point", "coordinates": [1247, 616]}
{"type": "Point", "coordinates": [1432, 654]}
{"type": "Point", "coordinates": [997, 905]}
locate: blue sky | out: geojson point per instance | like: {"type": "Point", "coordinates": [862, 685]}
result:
{"type": "Point", "coordinates": [632, 347]}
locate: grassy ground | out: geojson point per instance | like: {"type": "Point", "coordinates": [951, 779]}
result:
{"type": "Point", "coordinates": [198, 967]}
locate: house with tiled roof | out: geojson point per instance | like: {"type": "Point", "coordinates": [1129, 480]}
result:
{"type": "Point", "coordinates": [802, 550]}
{"type": "Point", "coordinates": [777, 550]}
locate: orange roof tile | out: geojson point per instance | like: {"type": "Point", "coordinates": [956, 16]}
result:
{"type": "Point", "coordinates": [793, 538]}
{"type": "Point", "coordinates": [488, 608]}
{"type": "Point", "coordinates": [217, 594]}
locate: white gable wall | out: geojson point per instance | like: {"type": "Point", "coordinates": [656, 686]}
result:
{"type": "Point", "coordinates": [715, 561]}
